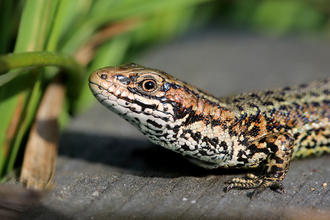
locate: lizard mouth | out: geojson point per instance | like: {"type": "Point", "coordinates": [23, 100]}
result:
{"type": "Point", "coordinates": [114, 96]}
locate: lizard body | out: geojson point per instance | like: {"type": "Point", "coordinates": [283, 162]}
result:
{"type": "Point", "coordinates": [265, 129]}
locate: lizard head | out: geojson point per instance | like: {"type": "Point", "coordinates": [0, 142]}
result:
{"type": "Point", "coordinates": [147, 98]}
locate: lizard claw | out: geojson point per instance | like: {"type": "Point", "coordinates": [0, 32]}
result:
{"type": "Point", "coordinates": [251, 181]}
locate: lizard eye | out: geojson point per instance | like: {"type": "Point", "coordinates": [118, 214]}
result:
{"type": "Point", "coordinates": [149, 85]}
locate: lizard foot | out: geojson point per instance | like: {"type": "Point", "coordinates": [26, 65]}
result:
{"type": "Point", "coordinates": [251, 181]}
{"type": "Point", "coordinates": [278, 148]}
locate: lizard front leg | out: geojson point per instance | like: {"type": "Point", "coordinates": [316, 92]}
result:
{"type": "Point", "coordinates": [278, 148]}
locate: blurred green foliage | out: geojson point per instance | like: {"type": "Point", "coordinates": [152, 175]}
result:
{"type": "Point", "coordinates": [279, 17]}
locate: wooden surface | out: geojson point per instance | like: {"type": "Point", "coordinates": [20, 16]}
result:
{"type": "Point", "coordinates": [108, 170]}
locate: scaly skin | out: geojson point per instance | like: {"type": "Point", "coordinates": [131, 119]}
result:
{"type": "Point", "coordinates": [252, 130]}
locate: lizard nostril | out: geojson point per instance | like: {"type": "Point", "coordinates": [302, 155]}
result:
{"type": "Point", "coordinates": [104, 76]}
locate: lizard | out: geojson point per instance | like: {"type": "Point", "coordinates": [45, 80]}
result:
{"type": "Point", "coordinates": [263, 130]}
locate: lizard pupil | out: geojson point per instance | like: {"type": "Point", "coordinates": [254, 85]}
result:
{"type": "Point", "coordinates": [149, 85]}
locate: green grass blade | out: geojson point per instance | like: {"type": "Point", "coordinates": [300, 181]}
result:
{"type": "Point", "coordinates": [68, 15]}
{"type": "Point", "coordinates": [5, 78]}
{"type": "Point", "coordinates": [43, 58]}
{"type": "Point", "coordinates": [6, 24]}
{"type": "Point", "coordinates": [29, 112]}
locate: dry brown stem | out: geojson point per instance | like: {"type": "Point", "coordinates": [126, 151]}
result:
{"type": "Point", "coordinates": [41, 150]}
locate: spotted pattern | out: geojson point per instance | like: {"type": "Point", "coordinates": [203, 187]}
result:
{"type": "Point", "coordinates": [265, 129]}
